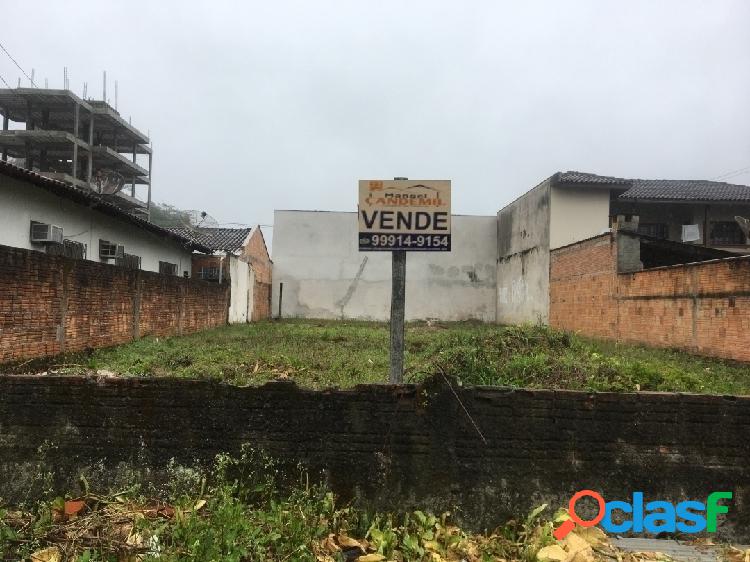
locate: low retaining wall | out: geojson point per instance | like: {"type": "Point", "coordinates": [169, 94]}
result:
{"type": "Point", "coordinates": [51, 304]}
{"type": "Point", "coordinates": [391, 446]}
{"type": "Point", "coordinates": [701, 307]}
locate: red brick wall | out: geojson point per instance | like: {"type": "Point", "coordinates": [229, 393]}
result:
{"type": "Point", "coordinates": [201, 260]}
{"type": "Point", "coordinates": [51, 304]}
{"type": "Point", "coordinates": [702, 307]}
{"type": "Point", "coordinates": [255, 253]}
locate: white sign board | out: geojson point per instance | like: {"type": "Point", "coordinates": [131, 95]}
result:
{"type": "Point", "coordinates": [410, 215]}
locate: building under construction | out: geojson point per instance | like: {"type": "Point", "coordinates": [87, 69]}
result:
{"type": "Point", "coordinates": [85, 143]}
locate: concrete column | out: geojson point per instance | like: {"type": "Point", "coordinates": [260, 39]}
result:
{"type": "Point", "coordinates": [135, 161]}
{"type": "Point", "coordinates": [5, 128]}
{"type": "Point", "coordinates": [29, 118]}
{"type": "Point", "coordinates": [148, 202]}
{"type": "Point", "coordinates": [27, 156]}
{"type": "Point", "coordinates": [91, 147]}
{"type": "Point", "coordinates": [628, 244]}
{"type": "Point", "coordinates": [76, 113]}
{"type": "Point", "coordinates": [705, 225]}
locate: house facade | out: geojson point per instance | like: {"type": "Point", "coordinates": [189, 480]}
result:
{"type": "Point", "coordinates": [239, 257]}
{"type": "Point", "coordinates": [572, 206]}
{"type": "Point", "coordinates": [47, 215]}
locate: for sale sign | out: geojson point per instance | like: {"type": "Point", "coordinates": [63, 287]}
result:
{"type": "Point", "coordinates": [411, 215]}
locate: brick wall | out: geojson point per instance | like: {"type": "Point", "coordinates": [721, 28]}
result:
{"type": "Point", "coordinates": [51, 304]}
{"type": "Point", "coordinates": [701, 307]}
{"type": "Point", "coordinates": [401, 447]}
{"type": "Point", "coordinates": [200, 261]}
{"type": "Point", "coordinates": [255, 253]}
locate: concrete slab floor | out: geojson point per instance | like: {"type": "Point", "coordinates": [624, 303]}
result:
{"type": "Point", "coordinates": [680, 551]}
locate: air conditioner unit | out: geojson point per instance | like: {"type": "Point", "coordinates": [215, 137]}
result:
{"type": "Point", "coordinates": [42, 233]}
{"type": "Point", "coordinates": [110, 250]}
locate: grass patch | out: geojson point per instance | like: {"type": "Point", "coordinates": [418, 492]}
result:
{"type": "Point", "coordinates": [320, 354]}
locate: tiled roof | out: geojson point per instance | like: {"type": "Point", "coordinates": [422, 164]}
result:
{"type": "Point", "coordinates": [686, 190]}
{"type": "Point", "coordinates": [222, 239]}
{"type": "Point", "coordinates": [659, 190]}
{"type": "Point", "coordinates": [95, 201]}
{"type": "Point", "coordinates": [585, 178]}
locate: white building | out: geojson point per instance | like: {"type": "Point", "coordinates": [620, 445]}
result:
{"type": "Point", "coordinates": [80, 223]}
{"type": "Point", "coordinates": [324, 275]}
{"type": "Point", "coordinates": [572, 206]}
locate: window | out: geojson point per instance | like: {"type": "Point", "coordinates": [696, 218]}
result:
{"type": "Point", "coordinates": [129, 261]}
{"type": "Point", "coordinates": [109, 250]}
{"type": "Point", "coordinates": [726, 233]}
{"type": "Point", "coordinates": [68, 249]}
{"type": "Point", "coordinates": [654, 229]}
{"type": "Point", "coordinates": [209, 273]}
{"type": "Point", "coordinates": [167, 268]}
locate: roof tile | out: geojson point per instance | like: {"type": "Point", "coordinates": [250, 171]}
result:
{"type": "Point", "coordinates": [218, 239]}
{"type": "Point", "coordinates": [686, 190]}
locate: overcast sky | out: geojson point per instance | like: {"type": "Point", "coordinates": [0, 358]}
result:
{"type": "Point", "coordinates": [256, 106]}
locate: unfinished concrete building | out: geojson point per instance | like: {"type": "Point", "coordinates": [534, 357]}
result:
{"type": "Point", "coordinates": [85, 143]}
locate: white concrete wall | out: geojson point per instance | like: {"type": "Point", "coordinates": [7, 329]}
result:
{"type": "Point", "coordinates": [523, 259]}
{"type": "Point", "coordinates": [577, 214]}
{"type": "Point", "coordinates": [21, 203]}
{"type": "Point", "coordinates": [315, 256]}
{"type": "Point", "coordinates": [240, 297]}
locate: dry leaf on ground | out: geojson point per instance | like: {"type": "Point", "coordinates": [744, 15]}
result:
{"type": "Point", "coordinates": [51, 554]}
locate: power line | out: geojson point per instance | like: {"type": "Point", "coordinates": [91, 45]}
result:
{"type": "Point", "coordinates": [736, 175]}
{"type": "Point", "coordinates": [10, 87]}
{"type": "Point", "coordinates": [731, 174]}
{"type": "Point", "coordinates": [16, 63]}
{"type": "Point", "coordinates": [4, 82]}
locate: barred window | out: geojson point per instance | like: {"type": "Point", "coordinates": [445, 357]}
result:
{"type": "Point", "coordinates": [209, 273]}
{"type": "Point", "coordinates": [167, 268]}
{"type": "Point", "coordinates": [654, 229]}
{"type": "Point", "coordinates": [726, 233]}
{"type": "Point", "coordinates": [129, 261]}
{"type": "Point", "coordinates": [68, 249]}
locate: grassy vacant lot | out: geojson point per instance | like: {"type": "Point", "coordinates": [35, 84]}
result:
{"type": "Point", "coordinates": [320, 354]}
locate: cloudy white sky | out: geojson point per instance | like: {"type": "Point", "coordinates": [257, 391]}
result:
{"type": "Point", "coordinates": [254, 106]}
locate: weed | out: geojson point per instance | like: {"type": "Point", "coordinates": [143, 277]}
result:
{"type": "Point", "coordinates": [320, 354]}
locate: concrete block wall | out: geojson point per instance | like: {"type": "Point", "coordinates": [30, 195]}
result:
{"type": "Point", "coordinates": [317, 258]}
{"type": "Point", "coordinates": [702, 307]}
{"type": "Point", "coordinates": [523, 258]}
{"type": "Point", "coordinates": [49, 305]}
{"type": "Point", "coordinates": [392, 447]}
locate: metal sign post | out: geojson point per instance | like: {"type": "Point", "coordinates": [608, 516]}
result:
{"type": "Point", "coordinates": [400, 216]}
{"type": "Point", "coordinates": [398, 311]}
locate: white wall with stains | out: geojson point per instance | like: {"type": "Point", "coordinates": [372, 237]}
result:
{"type": "Point", "coordinates": [324, 275]}
{"type": "Point", "coordinates": [523, 258]}
{"type": "Point", "coordinates": [241, 293]}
